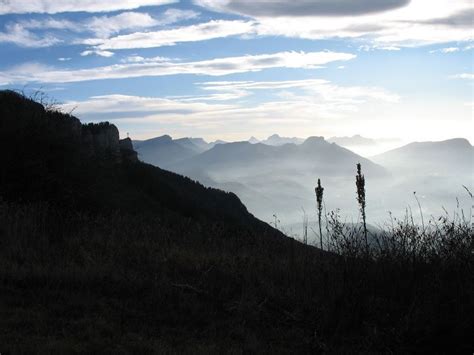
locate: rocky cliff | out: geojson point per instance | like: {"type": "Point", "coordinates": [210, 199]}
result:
{"type": "Point", "coordinates": [101, 140]}
{"type": "Point", "coordinates": [126, 150]}
{"type": "Point", "coordinates": [22, 117]}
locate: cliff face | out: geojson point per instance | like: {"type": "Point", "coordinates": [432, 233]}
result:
{"type": "Point", "coordinates": [126, 150]}
{"type": "Point", "coordinates": [22, 119]}
{"type": "Point", "coordinates": [101, 141]}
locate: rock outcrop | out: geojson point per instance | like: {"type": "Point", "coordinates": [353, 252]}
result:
{"type": "Point", "coordinates": [101, 141]}
{"type": "Point", "coordinates": [126, 150]}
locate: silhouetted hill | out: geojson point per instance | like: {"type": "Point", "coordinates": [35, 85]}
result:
{"type": "Point", "coordinates": [449, 157]}
{"type": "Point", "coordinates": [198, 145]}
{"type": "Point", "coordinates": [314, 155]}
{"type": "Point", "coordinates": [164, 151]}
{"type": "Point", "coordinates": [275, 139]}
{"type": "Point", "coordinates": [253, 140]}
{"type": "Point", "coordinates": [50, 156]}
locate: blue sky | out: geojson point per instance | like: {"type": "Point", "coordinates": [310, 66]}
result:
{"type": "Point", "coordinates": [230, 69]}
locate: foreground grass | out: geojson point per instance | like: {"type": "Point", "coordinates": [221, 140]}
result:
{"type": "Point", "coordinates": [77, 282]}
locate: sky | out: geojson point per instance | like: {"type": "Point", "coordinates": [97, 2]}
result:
{"type": "Point", "coordinates": [231, 69]}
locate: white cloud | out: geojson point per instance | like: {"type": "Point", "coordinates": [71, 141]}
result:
{"type": "Point", "coordinates": [466, 76]}
{"type": "Point", "coordinates": [20, 36]}
{"type": "Point", "coordinates": [314, 102]}
{"type": "Point", "coordinates": [100, 53]}
{"type": "Point", "coordinates": [64, 59]}
{"type": "Point", "coordinates": [300, 8]}
{"type": "Point", "coordinates": [171, 16]}
{"type": "Point", "coordinates": [102, 26]}
{"type": "Point", "coordinates": [420, 22]}
{"type": "Point", "coordinates": [213, 67]}
{"type": "Point", "coordinates": [56, 6]}
{"type": "Point", "coordinates": [446, 50]}
{"type": "Point", "coordinates": [450, 50]}
{"type": "Point", "coordinates": [468, 47]}
{"type": "Point", "coordinates": [192, 33]}
{"type": "Point", "coordinates": [328, 110]}
{"type": "Point", "coordinates": [20, 33]}
{"type": "Point", "coordinates": [140, 59]}
{"type": "Point", "coordinates": [311, 88]}
{"type": "Point", "coordinates": [49, 23]}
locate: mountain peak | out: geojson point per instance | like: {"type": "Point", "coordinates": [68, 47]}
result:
{"type": "Point", "coordinates": [458, 142]}
{"type": "Point", "coordinates": [253, 140]}
{"type": "Point", "coordinates": [313, 140]}
{"type": "Point", "coordinates": [161, 139]}
{"type": "Point", "coordinates": [276, 139]}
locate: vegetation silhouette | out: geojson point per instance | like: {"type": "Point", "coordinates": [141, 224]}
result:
{"type": "Point", "coordinates": [102, 253]}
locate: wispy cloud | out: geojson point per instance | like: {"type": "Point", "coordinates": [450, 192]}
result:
{"type": "Point", "coordinates": [55, 6]}
{"type": "Point", "coordinates": [170, 37]}
{"type": "Point", "coordinates": [314, 89]}
{"type": "Point", "coordinates": [212, 67]}
{"type": "Point", "coordinates": [312, 102]}
{"type": "Point", "coordinates": [100, 53]}
{"type": "Point", "coordinates": [17, 34]}
{"type": "Point", "coordinates": [446, 50]}
{"type": "Point", "coordinates": [104, 26]}
{"type": "Point", "coordinates": [22, 32]}
{"type": "Point", "coordinates": [466, 76]}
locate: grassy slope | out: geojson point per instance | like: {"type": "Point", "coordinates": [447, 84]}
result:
{"type": "Point", "coordinates": [131, 258]}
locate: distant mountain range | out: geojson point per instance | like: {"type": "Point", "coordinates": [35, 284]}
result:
{"type": "Point", "coordinates": [165, 151]}
{"type": "Point", "coordinates": [314, 155]}
{"type": "Point", "coordinates": [276, 140]}
{"type": "Point", "coordinates": [277, 175]}
{"type": "Point", "coordinates": [275, 178]}
{"type": "Point", "coordinates": [449, 157]}
{"type": "Point", "coordinates": [345, 141]}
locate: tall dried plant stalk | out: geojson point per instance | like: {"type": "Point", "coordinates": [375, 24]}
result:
{"type": "Point", "coordinates": [360, 184]}
{"type": "Point", "coordinates": [319, 202]}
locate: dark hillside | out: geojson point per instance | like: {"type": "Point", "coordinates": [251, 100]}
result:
{"type": "Point", "coordinates": [100, 253]}
{"type": "Point", "coordinates": [50, 156]}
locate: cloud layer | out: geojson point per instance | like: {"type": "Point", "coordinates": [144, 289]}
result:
{"type": "Point", "coordinates": [417, 23]}
{"type": "Point", "coordinates": [285, 8]}
{"type": "Point", "coordinates": [57, 6]}
{"type": "Point", "coordinates": [312, 103]}
{"type": "Point", "coordinates": [22, 33]}
{"type": "Point", "coordinates": [161, 67]}
{"type": "Point", "coordinates": [192, 33]}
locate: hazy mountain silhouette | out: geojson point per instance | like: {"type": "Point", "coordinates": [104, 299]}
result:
{"type": "Point", "coordinates": [219, 141]}
{"type": "Point", "coordinates": [164, 151]}
{"type": "Point", "coordinates": [275, 139]}
{"type": "Point", "coordinates": [253, 140]}
{"type": "Point", "coordinates": [448, 157]}
{"type": "Point", "coordinates": [313, 155]}
{"type": "Point", "coordinates": [277, 179]}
